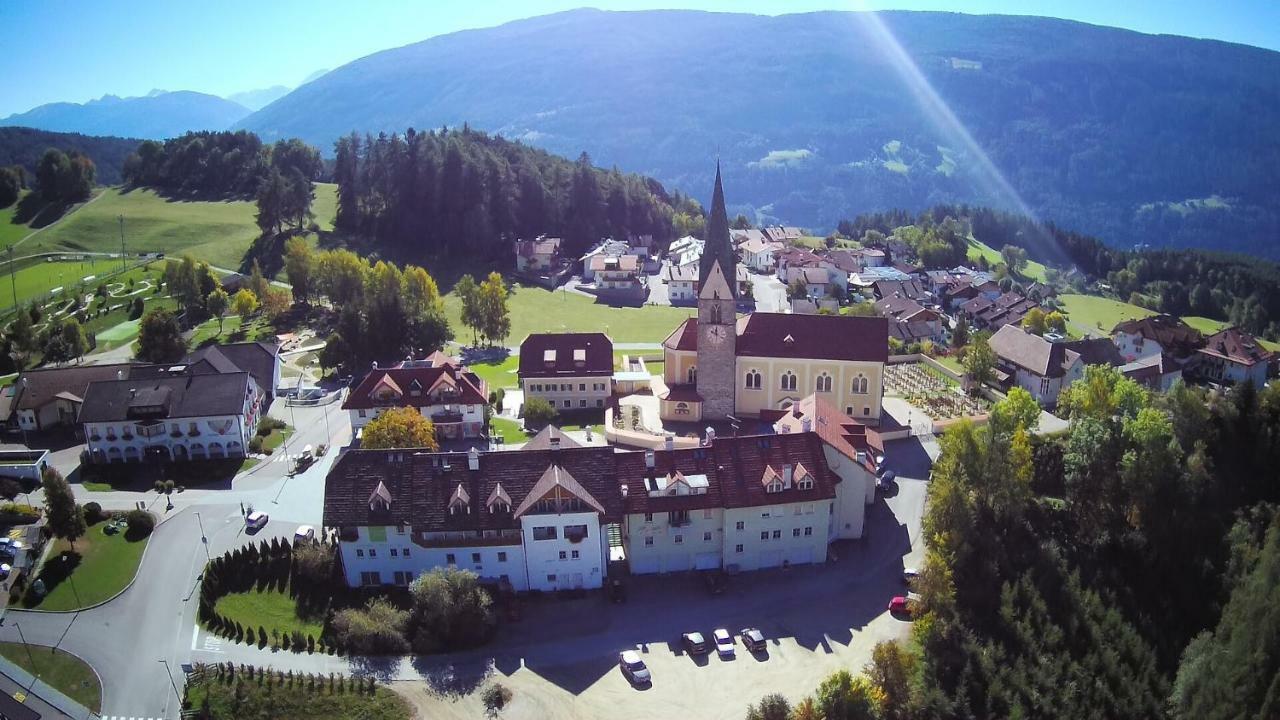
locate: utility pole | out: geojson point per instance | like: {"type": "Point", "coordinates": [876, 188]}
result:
{"type": "Point", "coordinates": [124, 263]}
{"type": "Point", "coordinates": [30, 657]}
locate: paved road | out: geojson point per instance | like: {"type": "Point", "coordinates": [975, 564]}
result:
{"type": "Point", "coordinates": [769, 292]}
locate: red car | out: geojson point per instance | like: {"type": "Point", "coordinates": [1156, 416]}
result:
{"type": "Point", "coordinates": [900, 606]}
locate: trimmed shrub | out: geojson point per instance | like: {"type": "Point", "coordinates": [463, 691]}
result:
{"type": "Point", "coordinates": [140, 522]}
{"type": "Point", "coordinates": [93, 513]}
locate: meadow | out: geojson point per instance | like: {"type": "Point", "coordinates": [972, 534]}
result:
{"type": "Point", "coordinates": [1096, 315]}
{"type": "Point", "coordinates": [977, 249]}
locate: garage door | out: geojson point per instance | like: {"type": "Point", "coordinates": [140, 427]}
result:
{"type": "Point", "coordinates": [770, 558]}
{"type": "Point", "coordinates": [800, 555]}
{"type": "Point", "coordinates": [707, 561]}
{"type": "Point", "coordinates": [677, 562]}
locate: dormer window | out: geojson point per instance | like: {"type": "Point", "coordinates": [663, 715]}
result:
{"type": "Point", "coordinates": [549, 357]}
{"type": "Point", "coordinates": [580, 357]}
{"type": "Point", "coordinates": [499, 501]}
{"type": "Point", "coordinates": [459, 501]}
{"type": "Point", "coordinates": [805, 482]}
{"type": "Point", "coordinates": [774, 487]}
{"type": "Point", "coordinates": [415, 388]}
{"type": "Point", "coordinates": [771, 480]}
{"type": "Point", "coordinates": [380, 499]}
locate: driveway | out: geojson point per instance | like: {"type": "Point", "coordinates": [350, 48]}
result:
{"type": "Point", "coordinates": [770, 293]}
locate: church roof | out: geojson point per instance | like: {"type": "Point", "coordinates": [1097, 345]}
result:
{"type": "Point", "coordinates": [718, 245]}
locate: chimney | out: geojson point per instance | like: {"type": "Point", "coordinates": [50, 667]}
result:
{"type": "Point", "coordinates": [624, 491]}
{"type": "Point", "coordinates": [786, 476]}
{"type": "Point", "coordinates": [806, 424]}
{"type": "Point", "coordinates": [671, 442]}
{"type": "Point", "coordinates": [473, 459]}
{"type": "Point", "coordinates": [861, 456]}
{"type": "Point", "coordinates": [710, 436]}
{"type": "Point", "coordinates": [375, 364]}
{"type": "Point", "coordinates": [119, 376]}
{"type": "Point", "coordinates": [555, 442]}
{"type": "Point", "coordinates": [648, 459]}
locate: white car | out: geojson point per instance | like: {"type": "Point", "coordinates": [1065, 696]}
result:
{"type": "Point", "coordinates": [256, 520]}
{"type": "Point", "coordinates": [5, 569]}
{"type": "Point", "coordinates": [9, 546]}
{"type": "Point", "coordinates": [634, 668]}
{"type": "Point", "coordinates": [724, 643]}
{"type": "Point", "coordinates": [304, 533]}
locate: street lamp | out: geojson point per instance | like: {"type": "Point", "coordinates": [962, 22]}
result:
{"type": "Point", "coordinates": [203, 538]}
{"type": "Point", "coordinates": [170, 674]}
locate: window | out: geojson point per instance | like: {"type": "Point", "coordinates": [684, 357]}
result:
{"type": "Point", "coordinates": [475, 558]}
{"type": "Point", "coordinates": [777, 534]}
{"type": "Point", "coordinates": [394, 552]}
{"type": "Point", "coordinates": [797, 510]}
{"type": "Point", "coordinates": [678, 517]}
{"type": "Point", "coordinates": [692, 374]}
{"type": "Point", "coordinates": [373, 552]}
{"type": "Point", "coordinates": [737, 548]}
{"type": "Point", "coordinates": [648, 542]}
{"type": "Point", "coordinates": [574, 554]}
{"type": "Point", "coordinates": [551, 578]}
{"type": "Point", "coordinates": [1044, 386]}
{"type": "Point", "coordinates": [860, 385]}
{"type": "Point", "coordinates": [774, 487]}
{"type": "Point", "coordinates": [450, 559]}
{"type": "Point", "coordinates": [568, 403]}
{"type": "Point", "coordinates": [403, 578]}
{"type": "Point", "coordinates": [362, 413]}
{"type": "Point", "coordinates": [359, 552]}
{"type": "Point", "coordinates": [753, 380]}
{"type": "Point", "coordinates": [404, 552]}
{"type": "Point", "coordinates": [372, 577]}
{"type": "Point", "coordinates": [582, 387]}
{"type": "Point", "coordinates": [848, 410]}
{"type": "Point", "coordinates": [545, 533]}
{"type": "Point", "coordinates": [707, 514]}
{"type": "Point", "coordinates": [706, 536]}
{"type": "Point", "coordinates": [648, 517]}
{"type": "Point", "coordinates": [582, 403]}
{"type": "Point", "coordinates": [806, 483]}
{"type": "Point", "coordinates": [795, 532]}
{"type": "Point", "coordinates": [824, 383]}
{"type": "Point", "coordinates": [808, 532]}
{"type": "Point", "coordinates": [575, 533]}
{"type": "Point", "coordinates": [599, 403]}
{"type": "Point", "coordinates": [866, 410]}
{"type": "Point", "coordinates": [502, 557]}
{"type": "Point", "coordinates": [787, 381]}
{"type": "Point", "coordinates": [764, 534]}
{"type": "Point", "coordinates": [740, 525]}
{"type": "Point", "coordinates": [564, 555]}
{"type": "Point", "coordinates": [679, 540]}
{"type": "Point", "coordinates": [682, 408]}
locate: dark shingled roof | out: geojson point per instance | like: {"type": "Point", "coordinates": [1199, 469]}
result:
{"type": "Point", "coordinates": [471, 389]}
{"type": "Point", "coordinates": [256, 358]}
{"type": "Point", "coordinates": [1172, 333]}
{"type": "Point", "coordinates": [684, 337]}
{"type": "Point", "coordinates": [817, 337]}
{"type": "Point", "coordinates": [35, 388]}
{"type": "Point", "coordinates": [542, 441]}
{"type": "Point", "coordinates": [597, 360]}
{"type": "Point", "coordinates": [1032, 352]}
{"type": "Point", "coordinates": [1096, 351]}
{"type": "Point", "coordinates": [178, 396]}
{"type": "Point", "coordinates": [1238, 346]}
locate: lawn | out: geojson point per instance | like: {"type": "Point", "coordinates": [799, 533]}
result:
{"type": "Point", "coordinates": [61, 670]}
{"type": "Point", "coordinates": [498, 375]}
{"type": "Point", "coordinates": [37, 278]}
{"type": "Point", "coordinates": [1093, 313]}
{"type": "Point", "coordinates": [98, 567]}
{"type": "Point", "coordinates": [535, 309]}
{"type": "Point", "coordinates": [510, 430]}
{"type": "Point", "coordinates": [270, 609]}
{"type": "Point", "coordinates": [977, 249]}
{"type": "Point", "coordinates": [299, 699]}
{"type": "Point", "coordinates": [951, 363]}
{"type": "Point", "coordinates": [1209, 326]}
{"type": "Point", "coordinates": [11, 232]}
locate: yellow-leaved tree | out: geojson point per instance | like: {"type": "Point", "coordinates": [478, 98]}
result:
{"type": "Point", "coordinates": [399, 428]}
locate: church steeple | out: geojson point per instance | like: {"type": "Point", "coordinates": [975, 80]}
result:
{"type": "Point", "coordinates": [718, 246]}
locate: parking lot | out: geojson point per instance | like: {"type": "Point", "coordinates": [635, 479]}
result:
{"type": "Point", "coordinates": [560, 659]}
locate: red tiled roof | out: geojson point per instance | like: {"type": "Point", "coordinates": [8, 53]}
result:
{"type": "Point", "coordinates": [549, 355]}
{"type": "Point", "coordinates": [542, 441]}
{"type": "Point", "coordinates": [1237, 346]}
{"type": "Point", "coordinates": [682, 392]}
{"type": "Point", "coordinates": [844, 434]}
{"type": "Point", "coordinates": [684, 337]}
{"type": "Point", "coordinates": [471, 390]}
{"type": "Point", "coordinates": [815, 337]}
{"type": "Point", "coordinates": [1171, 332]}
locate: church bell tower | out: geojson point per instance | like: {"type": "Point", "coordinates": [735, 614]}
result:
{"type": "Point", "coordinates": [717, 313]}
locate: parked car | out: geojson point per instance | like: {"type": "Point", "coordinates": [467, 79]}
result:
{"type": "Point", "coordinates": [886, 479]}
{"type": "Point", "coordinates": [304, 533]}
{"type": "Point", "coordinates": [9, 546]}
{"type": "Point", "coordinates": [903, 605]}
{"type": "Point", "coordinates": [752, 639]}
{"type": "Point", "coordinates": [617, 591]}
{"type": "Point", "coordinates": [256, 520]}
{"type": "Point", "coordinates": [724, 643]}
{"type": "Point", "coordinates": [694, 643]}
{"type": "Point", "coordinates": [634, 668]}
{"type": "Point", "coordinates": [5, 569]}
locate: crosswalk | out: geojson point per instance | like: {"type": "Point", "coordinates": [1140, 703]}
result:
{"type": "Point", "coordinates": [286, 457]}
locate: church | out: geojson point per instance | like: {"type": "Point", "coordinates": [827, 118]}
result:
{"type": "Point", "coordinates": [718, 364]}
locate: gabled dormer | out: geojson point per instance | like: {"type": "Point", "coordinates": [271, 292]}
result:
{"type": "Point", "coordinates": [415, 388]}
{"type": "Point", "coordinates": [558, 492]}
{"type": "Point", "coordinates": [771, 480]}
{"type": "Point", "coordinates": [804, 479]}
{"type": "Point", "coordinates": [499, 501]}
{"type": "Point", "coordinates": [460, 501]}
{"type": "Point", "coordinates": [380, 499]}
{"type": "Point", "coordinates": [386, 391]}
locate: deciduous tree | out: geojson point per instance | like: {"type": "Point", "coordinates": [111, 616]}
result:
{"type": "Point", "coordinates": [217, 303]}
{"type": "Point", "coordinates": [160, 338]}
{"type": "Point", "coordinates": [66, 519]}
{"type": "Point", "coordinates": [399, 428]}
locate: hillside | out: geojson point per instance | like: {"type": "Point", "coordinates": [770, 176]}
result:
{"type": "Point", "coordinates": [24, 146]}
{"type": "Point", "coordinates": [1127, 136]}
{"type": "Point", "coordinates": [155, 117]}
{"type": "Point", "coordinates": [217, 231]}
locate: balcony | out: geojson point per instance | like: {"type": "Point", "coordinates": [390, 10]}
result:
{"type": "Point", "coordinates": [193, 433]}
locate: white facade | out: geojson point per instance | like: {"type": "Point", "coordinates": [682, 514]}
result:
{"type": "Point", "coordinates": [391, 556]}
{"type": "Point", "coordinates": [855, 491]}
{"type": "Point", "coordinates": [564, 551]}
{"type": "Point", "coordinates": [681, 290]}
{"type": "Point", "coordinates": [472, 415]}
{"type": "Point", "coordinates": [1133, 346]}
{"type": "Point", "coordinates": [570, 393]}
{"type": "Point", "coordinates": [179, 439]}
{"type": "Point", "coordinates": [675, 541]}
{"type": "Point", "coordinates": [1046, 389]}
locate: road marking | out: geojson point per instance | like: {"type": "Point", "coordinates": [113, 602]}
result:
{"type": "Point", "coordinates": [195, 634]}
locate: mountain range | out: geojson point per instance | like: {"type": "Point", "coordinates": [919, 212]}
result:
{"type": "Point", "coordinates": [157, 115]}
{"type": "Point", "coordinates": [1136, 138]}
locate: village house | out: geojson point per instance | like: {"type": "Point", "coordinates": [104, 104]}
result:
{"type": "Point", "coordinates": [1155, 335]}
{"type": "Point", "coordinates": [540, 255]}
{"type": "Point", "coordinates": [46, 398]}
{"type": "Point", "coordinates": [685, 251]}
{"type": "Point", "coordinates": [438, 387]}
{"type": "Point", "coordinates": [682, 283]}
{"type": "Point", "coordinates": [572, 371]}
{"type": "Point", "coordinates": [910, 321]}
{"type": "Point", "coordinates": [1038, 366]}
{"type": "Point", "coordinates": [759, 254]}
{"type": "Point", "coordinates": [1234, 356]}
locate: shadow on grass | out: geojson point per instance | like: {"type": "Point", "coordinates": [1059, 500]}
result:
{"type": "Point", "coordinates": [205, 474]}
{"type": "Point", "coordinates": [56, 570]}
{"type": "Point", "coordinates": [37, 212]}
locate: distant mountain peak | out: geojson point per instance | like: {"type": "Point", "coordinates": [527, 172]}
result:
{"type": "Point", "coordinates": [158, 115]}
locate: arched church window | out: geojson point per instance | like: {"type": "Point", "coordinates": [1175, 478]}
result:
{"type": "Point", "coordinates": [788, 381]}
{"type": "Point", "coordinates": [753, 380]}
{"type": "Point", "coordinates": [693, 375]}
{"type": "Point", "coordinates": [824, 383]}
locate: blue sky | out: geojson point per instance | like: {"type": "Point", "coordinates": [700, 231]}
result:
{"type": "Point", "coordinates": [76, 50]}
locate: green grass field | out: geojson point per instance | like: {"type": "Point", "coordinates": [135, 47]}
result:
{"type": "Point", "coordinates": [61, 670]}
{"type": "Point", "coordinates": [510, 430]}
{"type": "Point", "coordinates": [271, 609]}
{"type": "Point", "coordinates": [498, 375]}
{"type": "Point", "coordinates": [94, 570]}
{"type": "Point", "coordinates": [1094, 314]}
{"type": "Point", "coordinates": [1033, 270]}
{"type": "Point", "coordinates": [534, 309]}
{"type": "Point", "coordinates": [11, 232]}
{"type": "Point", "coordinates": [216, 231]}
{"type": "Point", "coordinates": [38, 278]}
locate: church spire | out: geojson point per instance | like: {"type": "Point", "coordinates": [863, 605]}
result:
{"type": "Point", "coordinates": [718, 246]}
